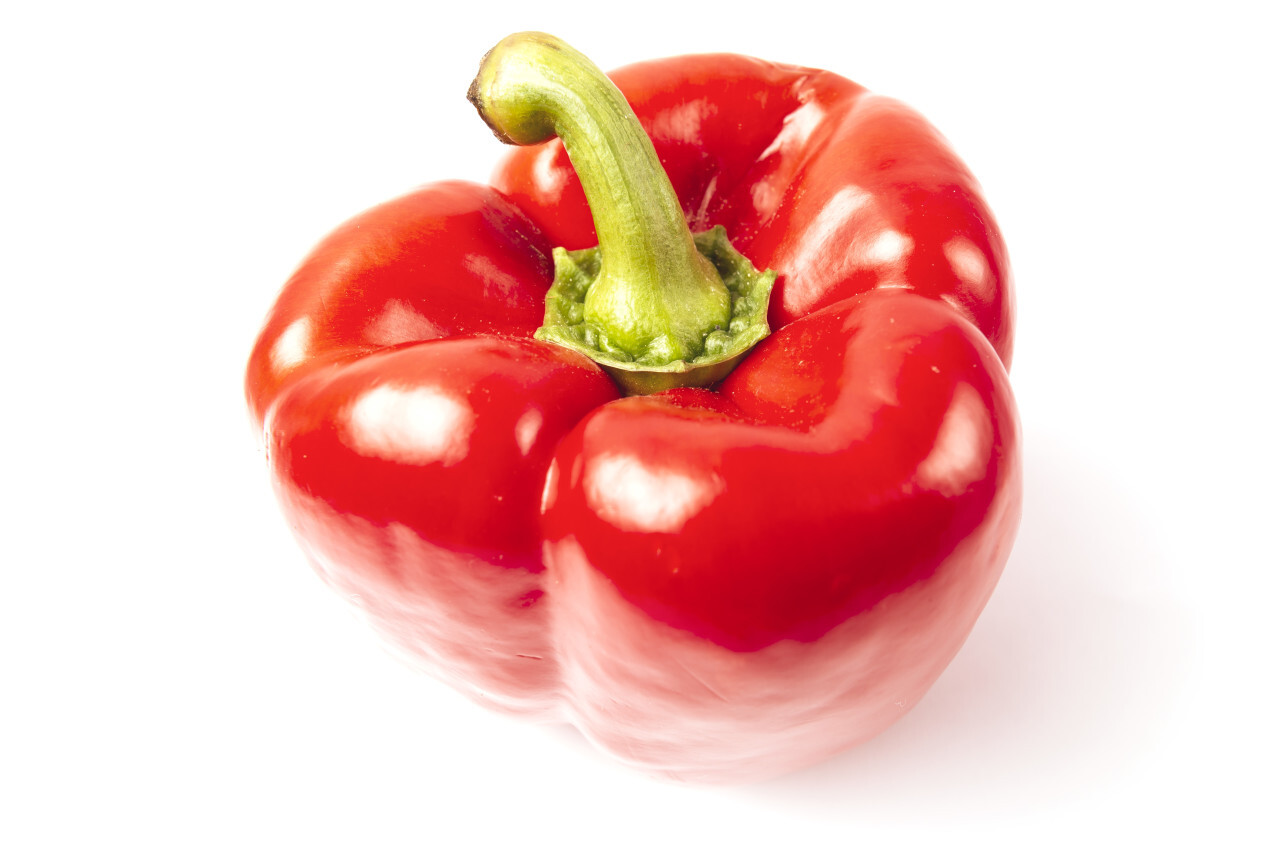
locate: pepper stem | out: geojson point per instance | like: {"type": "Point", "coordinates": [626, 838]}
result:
{"type": "Point", "coordinates": [653, 300]}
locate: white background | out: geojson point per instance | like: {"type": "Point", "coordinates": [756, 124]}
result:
{"type": "Point", "coordinates": [174, 677]}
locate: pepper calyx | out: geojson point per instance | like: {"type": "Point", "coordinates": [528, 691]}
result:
{"type": "Point", "coordinates": [653, 370]}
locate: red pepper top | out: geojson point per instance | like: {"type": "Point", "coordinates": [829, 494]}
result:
{"type": "Point", "coordinates": [839, 189]}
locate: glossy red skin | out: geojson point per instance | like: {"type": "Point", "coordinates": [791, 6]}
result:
{"type": "Point", "coordinates": [714, 585]}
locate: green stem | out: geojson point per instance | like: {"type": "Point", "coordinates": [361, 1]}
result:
{"type": "Point", "coordinates": [654, 290]}
{"type": "Point", "coordinates": [656, 298]}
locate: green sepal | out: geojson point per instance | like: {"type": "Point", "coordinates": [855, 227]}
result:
{"type": "Point", "coordinates": [722, 349]}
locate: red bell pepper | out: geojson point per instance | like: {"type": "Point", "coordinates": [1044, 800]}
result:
{"type": "Point", "coordinates": [713, 583]}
